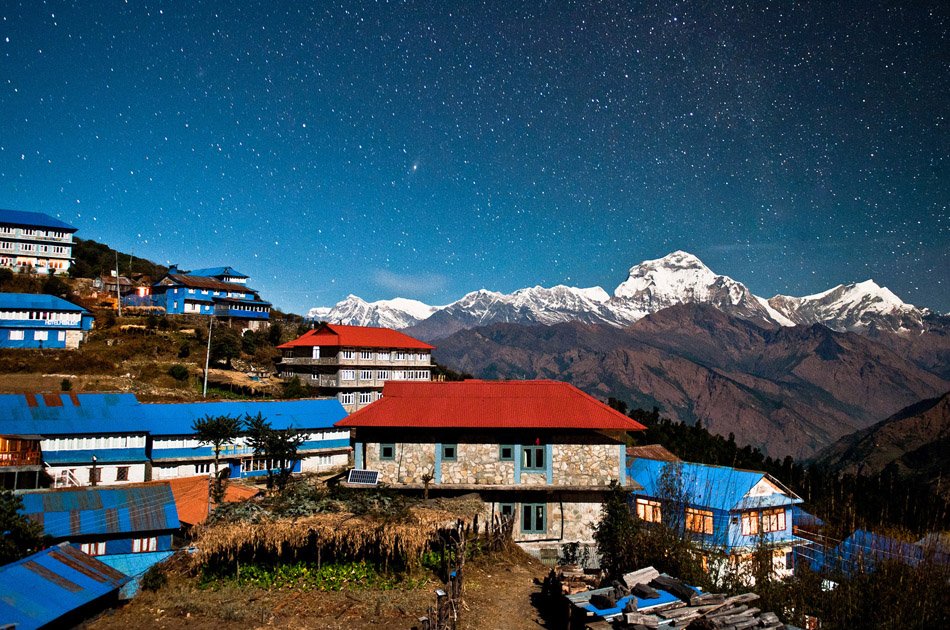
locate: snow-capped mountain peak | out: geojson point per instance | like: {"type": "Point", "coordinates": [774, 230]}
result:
{"type": "Point", "coordinates": [678, 278]}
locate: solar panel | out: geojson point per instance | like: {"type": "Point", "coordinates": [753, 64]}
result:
{"type": "Point", "coordinates": [363, 477]}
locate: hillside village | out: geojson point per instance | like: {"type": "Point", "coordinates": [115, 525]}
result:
{"type": "Point", "coordinates": [160, 434]}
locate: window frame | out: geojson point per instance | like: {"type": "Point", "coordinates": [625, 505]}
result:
{"type": "Point", "coordinates": [501, 453]}
{"type": "Point", "coordinates": [122, 473]}
{"type": "Point", "coordinates": [452, 448]}
{"type": "Point", "coordinates": [540, 452]}
{"type": "Point", "coordinates": [529, 518]}
{"type": "Point", "coordinates": [776, 515]}
{"type": "Point", "coordinates": [392, 448]}
{"type": "Point", "coordinates": [699, 521]}
{"type": "Point", "coordinates": [750, 523]}
{"type": "Point", "coordinates": [649, 510]}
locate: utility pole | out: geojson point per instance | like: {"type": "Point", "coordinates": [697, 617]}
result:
{"type": "Point", "coordinates": [204, 392]}
{"type": "Point", "coordinates": [118, 285]}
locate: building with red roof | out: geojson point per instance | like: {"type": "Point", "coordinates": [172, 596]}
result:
{"type": "Point", "coordinates": [351, 363]}
{"type": "Point", "coordinates": [542, 451]}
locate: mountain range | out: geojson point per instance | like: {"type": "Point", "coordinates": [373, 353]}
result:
{"type": "Point", "coordinates": [791, 375]}
{"type": "Point", "coordinates": [651, 286]}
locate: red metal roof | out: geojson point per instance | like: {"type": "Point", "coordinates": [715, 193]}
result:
{"type": "Point", "coordinates": [356, 337]}
{"type": "Point", "coordinates": [489, 405]}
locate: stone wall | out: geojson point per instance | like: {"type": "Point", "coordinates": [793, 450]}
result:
{"type": "Point", "coordinates": [480, 464]}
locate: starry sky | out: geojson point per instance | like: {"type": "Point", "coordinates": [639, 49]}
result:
{"type": "Point", "coordinates": [428, 149]}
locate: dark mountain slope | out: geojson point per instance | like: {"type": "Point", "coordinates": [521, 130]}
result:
{"type": "Point", "coordinates": [790, 391]}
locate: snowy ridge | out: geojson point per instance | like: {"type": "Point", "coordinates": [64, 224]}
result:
{"type": "Point", "coordinates": [678, 278]}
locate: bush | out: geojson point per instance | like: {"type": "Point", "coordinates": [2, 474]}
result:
{"type": "Point", "coordinates": [184, 350]}
{"type": "Point", "coordinates": [154, 578]}
{"type": "Point", "coordinates": [66, 385]}
{"type": "Point", "coordinates": [178, 372]}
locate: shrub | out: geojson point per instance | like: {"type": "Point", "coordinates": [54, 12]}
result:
{"type": "Point", "coordinates": [154, 578]}
{"type": "Point", "coordinates": [178, 372]}
{"type": "Point", "coordinates": [66, 385]}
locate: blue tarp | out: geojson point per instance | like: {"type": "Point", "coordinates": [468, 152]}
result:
{"type": "Point", "coordinates": [51, 584]}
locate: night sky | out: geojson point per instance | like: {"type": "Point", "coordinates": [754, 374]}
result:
{"type": "Point", "coordinates": [428, 149]}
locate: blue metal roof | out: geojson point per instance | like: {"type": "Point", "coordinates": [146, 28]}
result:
{"type": "Point", "coordinates": [52, 583]}
{"type": "Point", "coordinates": [134, 565]}
{"type": "Point", "coordinates": [211, 272]}
{"type": "Point", "coordinates": [38, 219]}
{"type": "Point", "coordinates": [68, 414]}
{"type": "Point", "coordinates": [717, 487]}
{"type": "Point", "coordinates": [178, 418]}
{"type": "Point", "coordinates": [103, 414]}
{"type": "Point", "coordinates": [96, 511]}
{"type": "Point", "coordinates": [39, 302]}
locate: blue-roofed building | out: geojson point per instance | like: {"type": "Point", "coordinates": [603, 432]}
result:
{"type": "Point", "coordinates": [862, 551]}
{"type": "Point", "coordinates": [35, 242]}
{"type": "Point", "coordinates": [176, 453]}
{"type": "Point", "coordinates": [59, 586]}
{"type": "Point", "coordinates": [729, 512]}
{"type": "Point", "coordinates": [60, 434]}
{"type": "Point", "coordinates": [30, 320]}
{"type": "Point", "coordinates": [188, 293]}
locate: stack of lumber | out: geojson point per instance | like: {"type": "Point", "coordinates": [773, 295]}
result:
{"type": "Point", "coordinates": [573, 579]}
{"type": "Point", "coordinates": [656, 601]}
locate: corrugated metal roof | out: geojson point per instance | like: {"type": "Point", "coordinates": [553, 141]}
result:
{"type": "Point", "coordinates": [717, 487]}
{"type": "Point", "coordinates": [489, 405]}
{"type": "Point", "coordinates": [94, 511]}
{"type": "Point", "coordinates": [38, 301]}
{"type": "Point", "coordinates": [102, 414]}
{"type": "Point", "coordinates": [652, 451]}
{"type": "Point", "coordinates": [103, 456]}
{"type": "Point", "coordinates": [218, 271]}
{"type": "Point", "coordinates": [38, 219]}
{"type": "Point", "coordinates": [50, 584]}
{"type": "Point", "coordinates": [191, 497]}
{"type": "Point", "coordinates": [337, 335]}
{"type": "Point", "coordinates": [134, 565]}
{"type": "Point", "coordinates": [201, 282]}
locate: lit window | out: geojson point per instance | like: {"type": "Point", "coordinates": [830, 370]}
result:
{"type": "Point", "coordinates": [533, 518]}
{"type": "Point", "coordinates": [700, 521]}
{"type": "Point", "coordinates": [141, 545]}
{"type": "Point", "coordinates": [93, 549]}
{"type": "Point", "coordinates": [750, 523]}
{"type": "Point", "coordinates": [773, 520]}
{"type": "Point", "coordinates": [649, 511]}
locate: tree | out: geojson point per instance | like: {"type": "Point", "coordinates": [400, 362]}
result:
{"type": "Point", "coordinates": [19, 536]}
{"type": "Point", "coordinates": [225, 345]}
{"type": "Point", "coordinates": [294, 388]}
{"type": "Point", "coordinates": [217, 431]}
{"type": "Point", "coordinates": [616, 533]}
{"type": "Point", "coordinates": [52, 285]}
{"type": "Point", "coordinates": [278, 446]}
{"type": "Point", "coordinates": [274, 333]}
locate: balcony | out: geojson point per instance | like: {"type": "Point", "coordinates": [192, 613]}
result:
{"type": "Point", "coordinates": [357, 361]}
{"type": "Point", "coordinates": [20, 458]}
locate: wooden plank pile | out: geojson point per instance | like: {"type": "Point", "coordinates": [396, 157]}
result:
{"type": "Point", "coordinates": [655, 601]}
{"type": "Point", "coordinates": [573, 579]}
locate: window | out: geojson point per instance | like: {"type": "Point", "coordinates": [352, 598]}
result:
{"type": "Point", "coordinates": [95, 475]}
{"type": "Point", "coordinates": [202, 469]}
{"type": "Point", "coordinates": [366, 355]}
{"type": "Point", "coordinates": [348, 399]}
{"type": "Point", "coordinates": [347, 375]}
{"type": "Point", "coordinates": [93, 549]}
{"type": "Point", "coordinates": [140, 545]}
{"type": "Point", "coordinates": [40, 335]}
{"type": "Point", "coordinates": [700, 521]}
{"type": "Point", "coordinates": [122, 473]}
{"type": "Point", "coordinates": [387, 452]}
{"type": "Point", "coordinates": [506, 509]}
{"type": "Point", "coordinates": [532, 458]}
{"type": "Point", "coordinates": [16, 335]}
{"type": "Point", "coordinates": [400, 356]}
{"type": "Point", "coordinates": [348, 354]}
{"type": "Point", "coordinates": [533, 518]}
{"type": "Point", "coordinates": [61, 335]}
{"type": "Point", "coordinates": [450, 452]}
{"type": "Point", "coordinates": [382, 375]}
{"type": "Point", "coordinates": [773, 520]}
{"type": "Point", "coordinates": [649, 511]}
{"type": "Point", "coordinates": [366, 398]}
{"type": "Point", "coordinates": [383, 356]}
{"type": "Point", "coordinates": [750, 523]}
{"type": "Point", "coordinates": [366, 375]}
{"type": "Point", "coordinates": [506, 453]}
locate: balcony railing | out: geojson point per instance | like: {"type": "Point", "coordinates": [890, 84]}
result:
{"type": "Point", "coordinates": [20, 458]}
{"type": "Point", "coordinates": [358, 361]}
